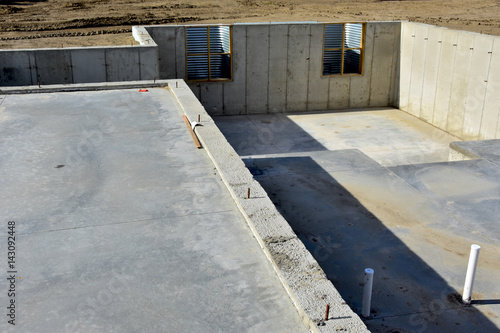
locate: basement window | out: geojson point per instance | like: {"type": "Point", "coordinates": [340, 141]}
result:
{"type": "Point", "coordinates": [208, 52]}
{"type": "Point", "coordinates": [343, 48]}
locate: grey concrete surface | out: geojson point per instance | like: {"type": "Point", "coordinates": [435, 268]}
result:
{"type": "Point", "coordinates": [450, 79]}
{"type": "Point", "coordinates": [485, 149]}
{"type": "Point", "coordinates": [387, 135]}
{"type": "Point", "coordinates": [122, 225]}
{"type": "Point", "coordinates": [278, 67]}
{"type": "Point", "coordinates": [299, 272]}
{"type": "Point", "coordinates": [81, 65]}
{"type": "Point", "coordinates": [413, 224]}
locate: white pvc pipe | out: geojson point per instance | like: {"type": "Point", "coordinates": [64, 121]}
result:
{"type": "Point", "coordinates": [367, 293]}
{"type": "Point", "coordinates": [471, 272]}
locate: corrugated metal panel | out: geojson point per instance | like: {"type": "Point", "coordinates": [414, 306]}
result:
{"type": "Point", "coordinates": [204, 45]}
{"type": "Point", "coordinates": [333, 36]}
{"type": "Point", "coordinates": [220, 41]}
{"type": "Point", "coordinates": [353, 34]}
{"type": "Point", "coordinates": [332, 61]}
{"type": "Point", "coordinates": [197, 41]}
{"type": "Point", "coordinates": [197, 67]}
{"type": "Point", "coordinates": [352, 61]}
{"type": "Point", "coordinates": [220, 65]}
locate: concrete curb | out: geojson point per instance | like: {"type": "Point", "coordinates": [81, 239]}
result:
{"type": "Point", "coordinates": [300, 274]}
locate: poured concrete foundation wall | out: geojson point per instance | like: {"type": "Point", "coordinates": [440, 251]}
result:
{"type": "Point", "coordinates": [79, 65]}
{"type": "Point", "coordinates": [451, 79]}
{"type": "Point", "coordinates": [278, 67]}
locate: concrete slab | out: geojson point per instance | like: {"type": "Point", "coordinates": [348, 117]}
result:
{"type": "Point", "coordinates": [123, 225]}
{"type": "Point", "coordinates": [388, 136]}
{"type": "Point", "coordinates": [485, 149]}
{"type": "Point", "coordinates": [408, 222]}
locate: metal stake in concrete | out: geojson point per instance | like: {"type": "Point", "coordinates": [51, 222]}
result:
{"type": "Point", "coordinates": [367, 293]}
{"type": "Point", "coordinates": [327, 312]}
{"type": "Point", "coordinates": [471, 273]}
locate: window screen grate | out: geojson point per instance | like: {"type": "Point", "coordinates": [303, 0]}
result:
{"type": "Point", "coordinates": [343, 48]}
{"type": "Point", "coordinates": [208, 53]}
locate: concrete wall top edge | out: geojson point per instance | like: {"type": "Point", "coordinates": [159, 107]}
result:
{"type": "Point", "coordinates": [78, 48]}
{"type": "Point", "coordinates": [267, 23]}
{"type": "Point", "coordinates": [445, 28]}
{"type": "Point", "coordinates": [86, 86]}
{"type": "Point", "coordinates": [142, 36]}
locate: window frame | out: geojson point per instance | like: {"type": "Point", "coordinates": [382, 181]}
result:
{"type": "Point", "coordinates": [343, 50]}
{"type": "Point", "coordinates": [208, 54]}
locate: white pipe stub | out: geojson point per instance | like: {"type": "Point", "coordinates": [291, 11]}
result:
{"type": "Point", "coordinates": [367, 293]}
{"type": "Point", "coordinates": [471, 273]}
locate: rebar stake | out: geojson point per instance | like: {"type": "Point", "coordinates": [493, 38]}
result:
{"type": "Point", "coordinates": [327, 311]}
{"type": "Point", "coordinates": [248, 193]}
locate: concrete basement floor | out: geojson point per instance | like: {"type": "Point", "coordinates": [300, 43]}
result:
{"type": "Point", "coordinates": [374, 188]}
{"type": "Point", "coordinates": [122, 225]}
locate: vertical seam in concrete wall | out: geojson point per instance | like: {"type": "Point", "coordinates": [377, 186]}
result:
{"type": "Point", "coordinates": [467, 89]}
{"type": "Point", "coordinates": [287, 56]}
{"type": "Point", "coordinates": [139, 64]}
{"type": "Point", "coordinates": [37, 77]}
{"type": "Point", "coordinates": [71, 67]}
{"type": "Point", "coordinates": [245, 109]}
{"type": "Point", "coordinates": [175, 54]}
{"type": "Point", "coordinates": [106, 64]}
{"type": "Point", "coordinates": [435, 85]}
{"type": "Point", "coordinates": [268, 65]}
{"type": "Point", "coordinates": [371, 66]}
{"type": "Point", "coordinates": [396, 45]}
{"type": "Point", "coordinates": [451, 84]}
{"type": "Point", "coordinates": [308, 69]}
{"type": "Point", "coordinates": [435, 96]}
{"type": "Point", "coordinates": [486, 90]}
{"type": "Point", "coordinates": [31, 69]}
{"type": "Point", "coordinates": [423, 76]}
{"type": "Point", "coordinates": [328, 93]}
{"type": "Point", "coordinates": [349, 93]}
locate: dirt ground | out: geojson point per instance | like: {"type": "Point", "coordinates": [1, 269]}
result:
{"type": "Point", "coordinates": [63, 23]}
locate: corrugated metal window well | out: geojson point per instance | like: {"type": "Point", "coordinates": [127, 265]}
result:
{"type": "Point", "coordinates": [208, 50]}
{"type": "Point", "coordinates": [343, 48]}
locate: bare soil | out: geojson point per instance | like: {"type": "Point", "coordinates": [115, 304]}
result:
{"type": "Point", "coordinates": [62, 23]}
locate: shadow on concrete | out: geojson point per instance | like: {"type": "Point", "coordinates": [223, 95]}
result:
{"type": "Point", "coordinates": [266, 134]}
{"type": "Point", "coordinates": [345, 238]}
{"type": "Point", "coordinates": [485, 302]}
